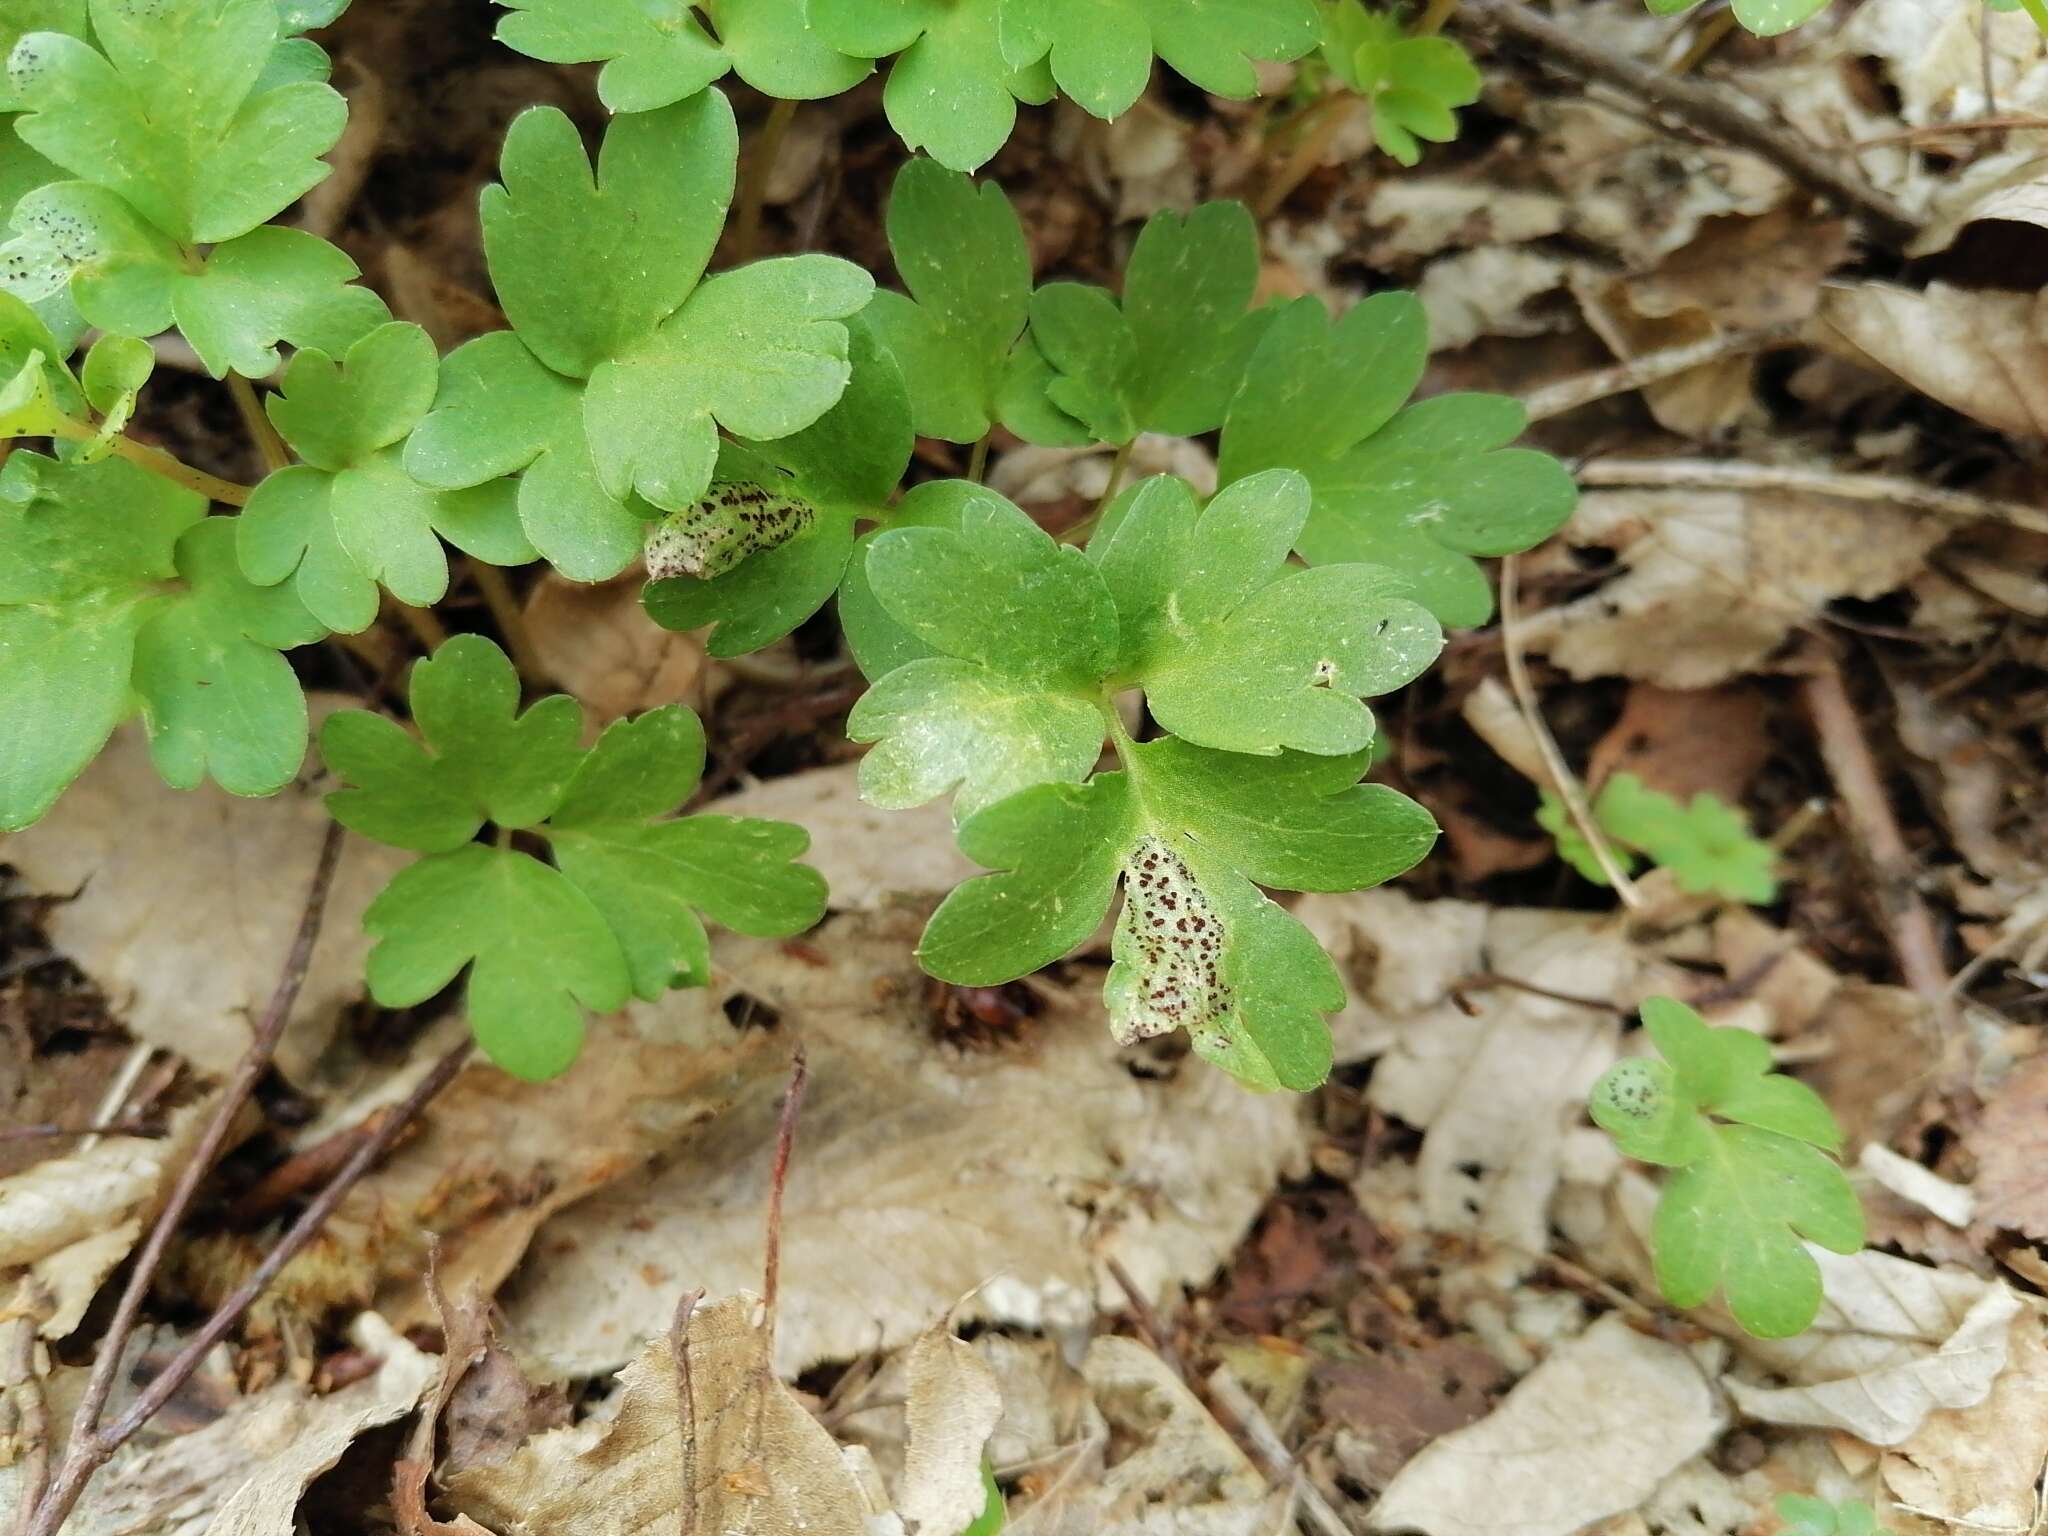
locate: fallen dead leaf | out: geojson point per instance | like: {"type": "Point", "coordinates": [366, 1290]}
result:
{"type": "Point", "coordinates": [1488, 292]}
{"type": "Point", "coordinates": [920, 1174]}
{"type": "Point", "coordinates": [493, 1157]}
{"type": "Point", "coordinates": [870, 858]}
{"type": "Point", "coordinates": [1687, 742]}
{"type": "Point", "coordinates": [1494, 1089]}
{"type": "Point", "coordinates": [597, 643]}
{"type": "Point", "coordinates": [1894, 1342]}
{"type": "Point", "coordinates": [1711, 583]}
{"type": "Point", "coordinates": [183, 917]}
{"type": "Point", "coordinates": [762, 1465]}
{"type": "Point", "coordinates": [1589, 1433]}
{"type": "Point", "coordinates": [2010, 1141]}
{"type": "Point", "coordinates": [242, 1475]}
{"type": "Point", "coordinates": [1979, 352]}
{"type": "Point", "coordinates": [952, 1406]}
{"type": "Point", "coordinates": [1980, 1468]}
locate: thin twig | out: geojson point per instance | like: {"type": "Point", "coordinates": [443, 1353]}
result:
{"type": "Point", "coordinates": [1561, 776]}
{"type": "Point", "coordinates": [1715, 108]}
{"type": "Point", "coordinates": [686, 1406]}
{"type": "Point", "coordinates": [2006, 122]}
{"type": "Point", "coordinates": [49, 1131]}
{"type": "Point", "coordinates": [301, 1232]}
{"type": "Point", "coordinates": [505, 612]}
{"type": "Point", "coordinates": [90, 1444]}
{"type": "Point", "coordinates": [1710, 36]}
{"type": "Point", "coordinates": [1481, 981]}
{"type": "Point", "coordinates": [19, 1377]}
{"type": "Point", "coordinates": [1908, 922]}
{"type": "Point", "coordinates": [778, 1179]}
{"type": "Point", "coordinates": [248, 1071]}
{"type": "Point", "coordinates": [256, 422]}
{"type": "Point", "coordinates": [1229, 1401]}
{"type": "Point", "coordinates": [1651, 368]}
{"type": "Point", "coordinates": [1734, 474]}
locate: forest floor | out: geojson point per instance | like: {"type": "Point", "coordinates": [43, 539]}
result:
{"type": "Point", "coordinates": [1809, 576]}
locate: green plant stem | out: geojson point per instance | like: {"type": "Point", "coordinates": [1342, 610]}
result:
{"type": "Point", "coordinates": [157, 462]}
{"type": "Point", "coordinates": [1433, 17]}
{"type": "Point", "coordinates": [977, 462]}
{"type": "Point", "coordinates": [754, 184]}
{"type": "Point", "coordinates": [1319, 126]}
{"type": "Point", "coordinates": [2037, 10]}
{"type": "Point", "coordinates": [505, 612]}
{"type": "Point", "coordinates": [1078, 534]}
{"type": "Point", "coordinates": [257, 422]}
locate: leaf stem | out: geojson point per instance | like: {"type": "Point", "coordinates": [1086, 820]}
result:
{"type": "Point", "coordinates": [2038, 11]}
{"type": "Point", "coordinates": [257, 421]}
{"type": "Point", "coordinates": [754, 184]}
{"type": "Point", "coordinates": [157, 462]}
{"type": "Point", "coordinates": [977, 462]}
{"type": "Point", "coordinates": [1433, 17]}
{"type": "Point", "coordinates": [1078, 534]}
{"type": "Point", "coordinates": [1319, 124]}
{"type": "Point", "coordinates": [511, 621]}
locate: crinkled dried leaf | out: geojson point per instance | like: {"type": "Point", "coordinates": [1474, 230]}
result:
{"type": "Point", "coordinates": [1984, 353]}
{"type": "Point", "coordinates": [953, 1405]}
{"type": "Point", "coordinates": [1589, 1433]}
{"type": "Point", "coordinates": [923, 1174]}
{"type": "Point", "coordinates": [1710, 583]}
{"type": "Point", "coordinates": [763, 1465]}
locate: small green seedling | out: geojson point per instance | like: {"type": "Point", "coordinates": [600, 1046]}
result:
{"type": "Point", "coordinates": [1754, 1172]}
{"type": "Point", "coordinates": [1706, 845]}
{"type": "Point", "coordinates": [613, 916]}
{"type": "Point", "coordinates": [1805, 1515]}
{"type": "Point", "coordinates": [1414, 84]}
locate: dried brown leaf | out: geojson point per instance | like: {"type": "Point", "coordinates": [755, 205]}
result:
{"type": "Point", "coordinates": [1982, 353]}
{"type": "Point", "coordinates": [763, 1465]}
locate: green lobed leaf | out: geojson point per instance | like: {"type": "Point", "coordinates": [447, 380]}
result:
{"type": "Point", "coordinates": [1169, 357]}
{"type": "Point", "coordinates": [120, 596]}
{"type": "Point", "coordinates": [836, 473]}
{"type": "Point", "coordinates": [1706, 845]}
{"type": "Point", "coordinates": [170, 116]}
{"type": "Point", "coordinates": [539, 952]}
{"type": "Point", "coordinates": [586, 266]}
{"type": "Point", "coordinates": [234, 305]}
{"type": "Point", "coordinates": [655, 52]}
{"type": "Point", "coordinates": [1101, 51]}
{"type": "Point", "coordinates": [960, 251]}
{"type": "Point", "coordinates": [776, 50]}
{"type": "Point", "coordinates": [1805, 1515]}
{"type": "Point", "coordinates": [1234, 650]}
{"type": "Point", "coordinates": [1420, 491]}
{"type": "Point", "coordinates": [1754, 1179]}
{"type": "Point", "coordinates": [1190, 834]}
{"type": "Point", "coordinates": [950, 92]}
{"type": "Point", "coordinates": [616, 915]}
{"type": "Point", "coordinates": [1412, 83]}
{"type": "Point", "coordinates": [499, 411]}
{"type": "Point", "coordinates": [351, 519]}
{"type": "Point", "coordinates": [761, 350]}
